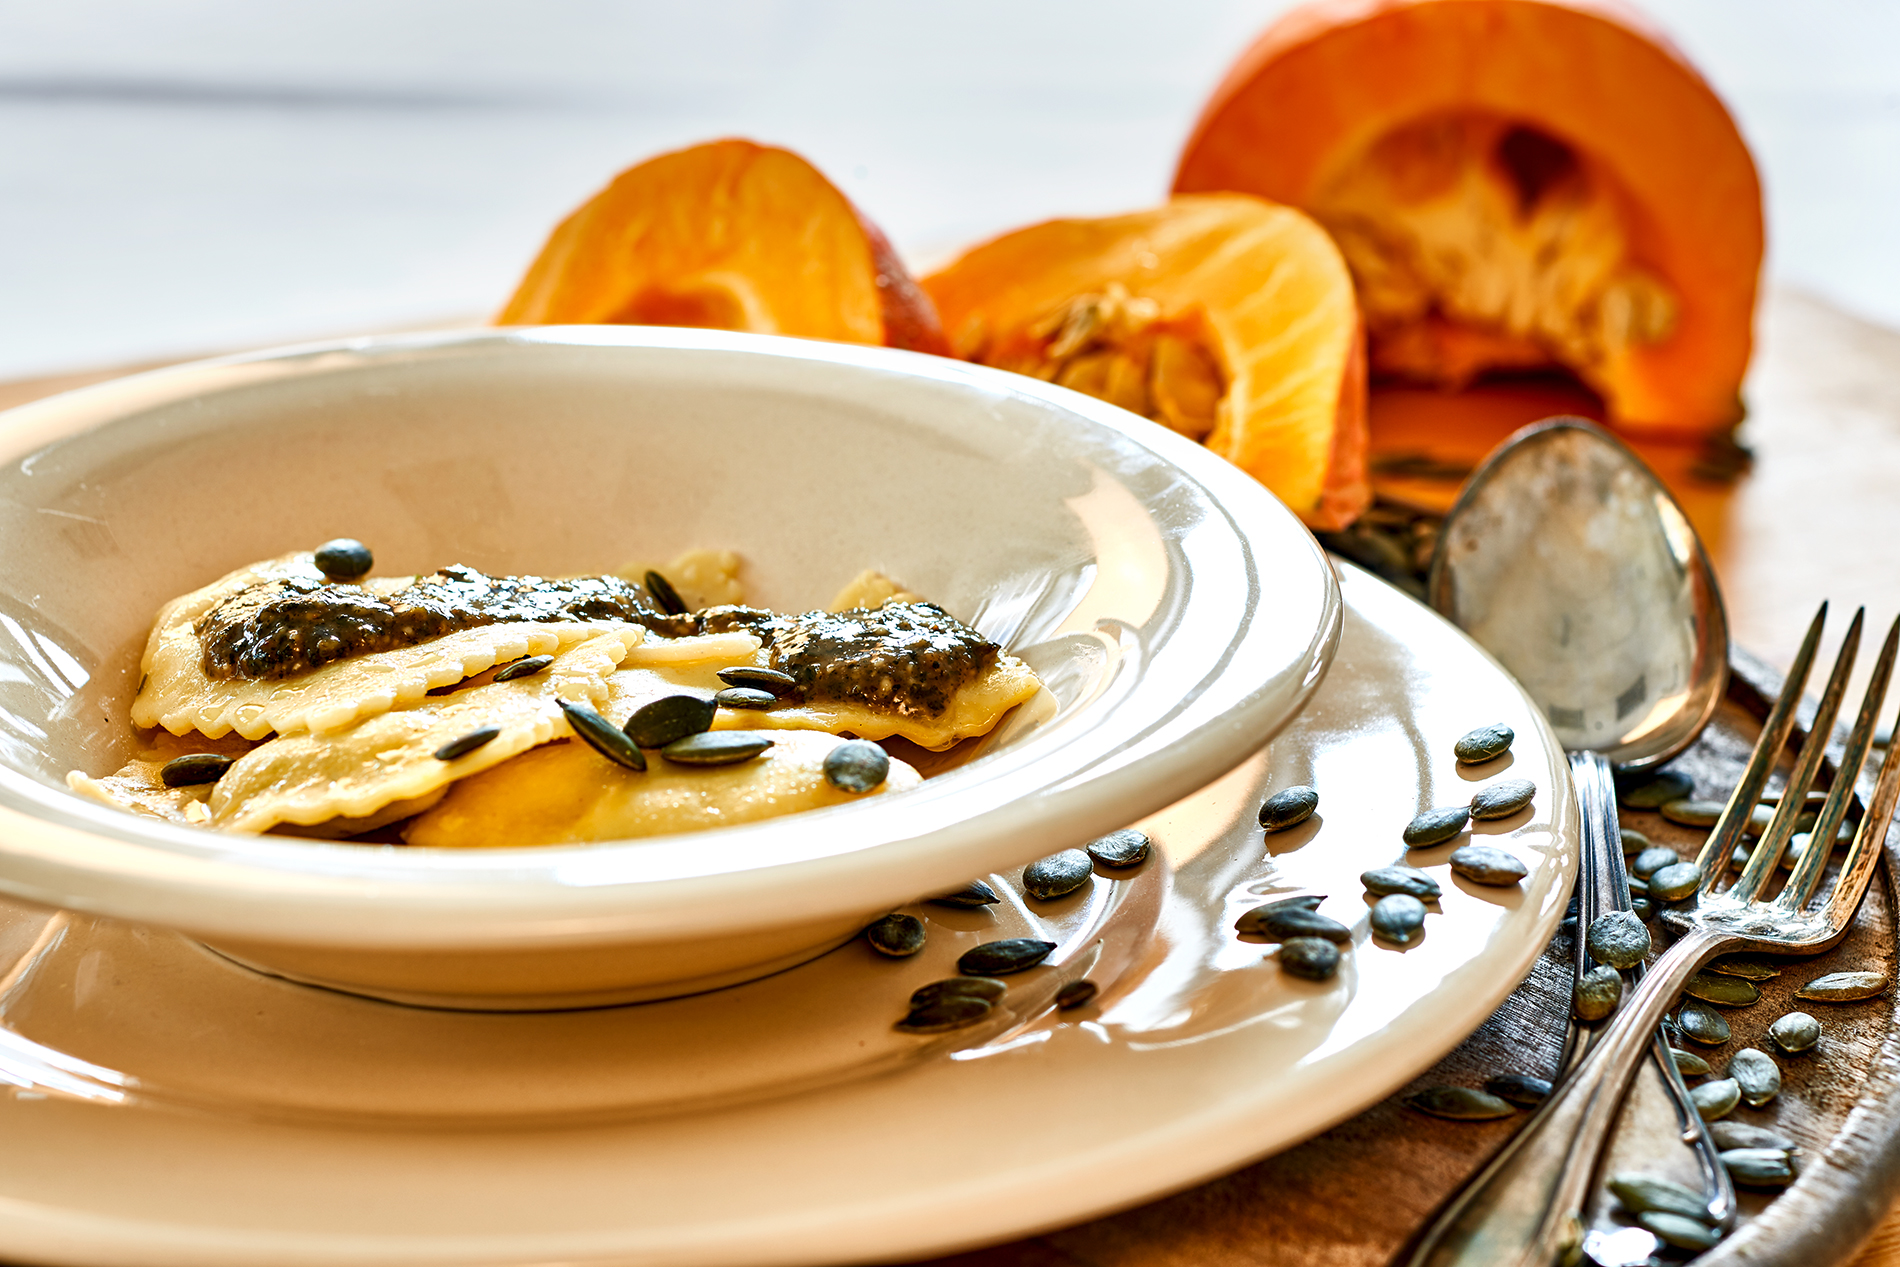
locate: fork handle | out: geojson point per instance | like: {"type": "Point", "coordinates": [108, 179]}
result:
{"type": "Point", "coordinates": [1525, 1207]}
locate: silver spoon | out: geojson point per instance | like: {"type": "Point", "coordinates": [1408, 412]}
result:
{"type": "Point", "coordinates": [1568, 560]}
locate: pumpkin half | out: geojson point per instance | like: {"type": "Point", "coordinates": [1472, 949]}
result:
{"type": "Point", "coordinates": [733, 236]}
{"type": "Point", "coordinates": [1225, 317]}
{"type": "Point", "coordinates": [1516, 184]}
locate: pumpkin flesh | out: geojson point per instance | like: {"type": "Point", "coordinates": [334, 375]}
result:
{"type": "Point", "coordinates": [728, 235]}
{"type": "Point", "coordinates": [1224, 317]}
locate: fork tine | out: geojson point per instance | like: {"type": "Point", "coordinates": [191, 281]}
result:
{"type": "Point", "coordinates": [1794, 795]}
{"type": "Point", "coordinates": [1713, 861]}
{"type": "Point", "coordinates": [1869, 842]}
{"type": "Point", "coordinates": [1807, 873]}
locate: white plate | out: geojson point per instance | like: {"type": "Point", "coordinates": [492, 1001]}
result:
{"type": "Point", "coordinates": [1198, 1056]}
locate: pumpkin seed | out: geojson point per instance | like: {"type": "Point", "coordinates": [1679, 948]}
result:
{"type": "Point", "coordinates": [344, 559]}
{"type": "Point", "coordinates": [1757, 1074]}
{"type": "Point", "coordinates": [1398, 917]}
{"type": "Point", "coordinates": [1654, 859]}
{"type": "Point", "coordinates": [1758, 820]}
{"type": "Point", "coordinates": [1688, 1064]}
{"type": "Point", "coordinates": [1119, 849]}
{"type": "Point", "coordinates": [1715, 1098]}
{"type": "Point", "coordinates": [987, 988]}
{"type": "Point", "coordinates": [527, 666]}
{"type": "Point", "coordinates": [1727, 991]}
{"type": "Point", "coordinates": [1000, 958]}
{"type": "Point", "coordinates": [1657, 791]}
{"type": "Point", "coordinates": [1519, 1088]}
{"type": "Point", "coordinates": [1844, 987]}
{"type": "Point", "coordinates": [1674, 882]}
{"type": "Point", "coordinates": [193, 769]}
{"type": "Point", "coordinates": [780, 684]}
{"type": "Point", "coordinates": [664, 595]}
{"type": "Point", "coordinates": [1598, 993]}
{"type": "Point", "coordinates": [1435, 826]}
{"type": "Point", "coordinates": [1638, 888]}
{"type": "Point", "coordinates": [1288, 807]}
{"type": "Point", "coordinates": [974, 894]}
{"type": "Point", "coordinates": [1248, 925]}
{"type": "Point", "coordinates": [668, 720]}
{"type": "Point", "coordinates": [1759, 1167]}
{"type": "Point", "coordinates": [1501, 800]}
{"type": "Point", "coordinates": [467, 743]}
{"type": "Point", "coordinates": [1702, 1023]}
{"type": "Point", "coordinates": [952, 1012]}
{"type": "Point", "coordinates": [1692, 813]}
{"type": "Point", "coordinates": [1058, 875]}
{"type": "Point", "coordinates": [1674, 1229]}
{"type": "Point", "coordinates": [1618, 940]}
{"type": "Point", "coordinates": [716, 747]}
{"type": "Point", "coordinates": [896, 935]}
{"type": "Point", "coordinates": [1486, 743]}
{"type": "Point", "coordinates": [1399, 879]}
{"type": "Point", "coordinates": [1314, 958]}
{"type": "Point", "coordinates": [1487, 864]}
{"type": "Point", "coordinates": [1283, 921]}
{"type": "Point", "coordinates": [1642, 1194]}
{"type": "Point", "coordinates": [856, 765]}
{"type": "Point", "coordinates": [1733, 1135]}
{"type": "Point", "coordinates": [603, 736]}
{"type": "Point", "coordinates": [1642, 908]}
{"type": "Point", "coordinates": [1633, 841]}
{"type": "Point", "coordinates": [1075, 994]}
{"type": "Point", "coordinates": [744, 697]}
{"type": "Point", "coordinates": [1460, 1104]}
{"type": "Point", "coordinates": [1795, 1033]}
{"type": "Point", "coordinates": [1747, 967]}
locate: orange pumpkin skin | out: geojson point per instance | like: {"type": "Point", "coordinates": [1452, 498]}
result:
{"type": "Point", "coordinates": [1331, 78]}
{"type": "Point", "coordinates": [729, 235]}
{"type": "Point", "coordinates": [1259, 286]}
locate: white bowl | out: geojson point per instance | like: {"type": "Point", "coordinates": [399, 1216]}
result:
{"type": "Point", "coordinates": [1177, 612]}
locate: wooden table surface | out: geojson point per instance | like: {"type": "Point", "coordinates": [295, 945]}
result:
{"type": "Point", "coordinates": [1816, 517]}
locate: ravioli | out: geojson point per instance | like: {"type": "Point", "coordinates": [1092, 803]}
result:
{"type": "Point", "coordinates": [566, 793]}
{"type": "Point", "coordinates": [357, 771]}
{"type": "Point", "coordinates": [138, 787]}
{"type": "Point", "coordinates": [179, 694]}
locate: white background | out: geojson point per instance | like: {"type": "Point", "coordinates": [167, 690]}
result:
{"type": "Point", "coordinates": [202, 175]}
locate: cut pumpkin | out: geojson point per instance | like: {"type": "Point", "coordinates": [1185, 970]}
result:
{"type": "Point", "coordinates": [1516, 184]}
{"type": "Point", "coordinates": [1224, 317]}
{"type": "Point", "coordinates": [733, 236]}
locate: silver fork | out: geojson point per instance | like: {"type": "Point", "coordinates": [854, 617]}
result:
{"type": "Point", "coordinates": [1525, 1210]}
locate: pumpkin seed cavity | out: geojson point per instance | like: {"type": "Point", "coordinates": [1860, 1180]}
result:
{"type": "Point", "coordinates": [194, 769]}
{"type": "Point", "coordinates": [603, 736]}
{"type": "Point", "coordinates": [1120, 849]}
{"type": "Point", "coordinates": [1058, 875]}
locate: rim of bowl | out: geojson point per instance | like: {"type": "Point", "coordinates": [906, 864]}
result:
{"type": "Point", "coordinates": [1059, 789]}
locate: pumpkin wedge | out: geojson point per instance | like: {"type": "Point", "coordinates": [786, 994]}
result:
{"type": "Point", "coordinates": [733, 236]}
{"type": "Point", "coordinates": [1516, 184]}
{"type": "Point", "coordinates": [1225, 317]}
